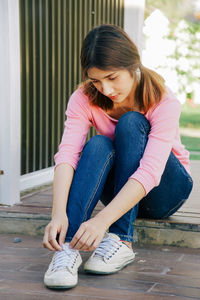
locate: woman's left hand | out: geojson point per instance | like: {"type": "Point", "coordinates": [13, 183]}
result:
{"type": "Point", "coordinates": [89, 235]}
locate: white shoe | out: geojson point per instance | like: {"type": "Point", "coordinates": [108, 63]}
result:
{"type": "Point", "coordinates": [63, 269]}
{"type": "Point", "coordinates": [111, 256]}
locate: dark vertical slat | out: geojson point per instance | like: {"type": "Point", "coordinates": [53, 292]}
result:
{"type": "Point", "coordinates": [42, 97]}
{"type": "Point", "coordinates": [50, 80]}
{"type": "Point", "coordinates": [63, 62]}
{"type": "Point", "coordinates": [98, 13]}
{"type": "Point", "coordinates": [84, 20]}
{"type": "Point", "coordinates": [70, 53]}
{"type": "Point", "coordinates": [41, 129]}
{"type": "Point", "coordinates": [56, 88]}
{"type": "Point", "coordinates": [47, 83]}
{"type": "Point", "coordinates": [23, 85]}
{"type": "Point", "coordinates": [28, 86]}
{"type": "Point", "coordinates": [104, 11]}
{"type": "Point", "coordinates": [107, 11]}
{"type": "Point", "coordinates": [52, 113]}
{"type": "Point", "coordinates": [121, 13]}
{"type": "Point", "coordinates": [79, 39]}
{"type": "Point", "coordinates": [38, 100]}
{"type": "Point", "coordinates": [59, 76]}
{"type": "Point", "coordinates": [33, 112]}
{"type": "Point", "coordinates": [93, 13]}
{"type": "Point", "coordinates": [112, 12]}
{"type": "Point", "coordinates": [90, 19]}
{"type": "Point", "coordinates": [74, 44]}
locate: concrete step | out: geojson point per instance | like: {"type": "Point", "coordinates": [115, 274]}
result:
{"type": "Point", "coordinates": [33, 214]}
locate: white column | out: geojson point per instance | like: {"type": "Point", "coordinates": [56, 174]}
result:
{"type": "Point", "coordinates": [9, 102]}
{"type": "Point", "coordinates": [134, 19]}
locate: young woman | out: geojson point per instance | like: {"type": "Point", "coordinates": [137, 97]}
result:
{"type": "Point", "coordinates": [136, 165]}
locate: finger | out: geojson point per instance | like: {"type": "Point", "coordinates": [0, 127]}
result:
{"type": "Point", "coordinates": [62, 236]}
{"type": "Point", "coordinates": [76, 238]}
{"type": "Point", "coordinates": [88, 243]}
{"type": "Point", "coordinates": [95, 244]}
{"type": "Point", "coordinates": [48, 246]}
{"type": "Point", "coordinates": [45, 242]}
{"type": "Point", "coordinates": [52, 240]}
{"type": "Point", "coordinates": [55, 245]}
{"type": "Point", "coordinates": [82, 242]}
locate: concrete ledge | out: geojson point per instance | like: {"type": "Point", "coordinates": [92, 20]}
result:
{"type": "Point", "coordinates": [22, 223]}
{"type": "Point", "coordinates": [167, 233]}
{"type": "Point", "coordinates": [149, 232]}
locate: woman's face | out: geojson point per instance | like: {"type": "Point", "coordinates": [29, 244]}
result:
{"type": "Point", "coordinates": [115, 84]}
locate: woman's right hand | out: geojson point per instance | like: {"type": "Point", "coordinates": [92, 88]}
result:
{"type": "Point", "coordinates": [57, 226]}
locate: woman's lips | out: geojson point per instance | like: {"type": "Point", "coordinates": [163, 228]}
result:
{"type": "Point", "coordinates": [114, 97]}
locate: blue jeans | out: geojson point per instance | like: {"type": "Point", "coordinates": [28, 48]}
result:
{"type": "Point", "coordinates": [105, 167]}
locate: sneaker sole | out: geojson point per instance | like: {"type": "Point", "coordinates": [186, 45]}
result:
{"type": "Point", "coordinates": [60, 287]}
{"type": "Point", "coordinates": [111, 272]}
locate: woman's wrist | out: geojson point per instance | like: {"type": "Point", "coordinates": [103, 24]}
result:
{"type": "Point", "coordinates": [58, 214]}
{"type": "Point", "coordinates": [102, 218]}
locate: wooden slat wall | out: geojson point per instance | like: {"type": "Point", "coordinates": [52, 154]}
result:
{"type": "Point", "coordinates": [51, 33]}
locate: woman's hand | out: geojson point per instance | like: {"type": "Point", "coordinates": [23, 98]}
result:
{"type": "Point", "coordinates": [89, 235]}
{"type": "Point", "coordinates": [58, 225]}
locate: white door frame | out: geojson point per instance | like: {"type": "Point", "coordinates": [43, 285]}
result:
{"type": "Point", "coordinates": [9, 102]}
{"type": "Point", "coordinates": [133, 21]}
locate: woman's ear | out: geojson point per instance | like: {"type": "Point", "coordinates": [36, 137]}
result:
{"type": "Point", "coordinates": [138, 74]}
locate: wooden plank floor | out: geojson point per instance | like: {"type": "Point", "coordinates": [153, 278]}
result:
{"type": "Point", "coordinates": [158, 273]}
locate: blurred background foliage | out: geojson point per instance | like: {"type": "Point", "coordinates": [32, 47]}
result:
{"type": "Point", "coordinates": [172, 48]}
{"type": "Point", "coordinates": [174, 10]}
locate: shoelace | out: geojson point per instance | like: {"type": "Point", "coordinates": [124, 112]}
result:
{"type": "Point", "coordinates": [65, 258]}
{"type": "Point", "coordinates": [107, 248]}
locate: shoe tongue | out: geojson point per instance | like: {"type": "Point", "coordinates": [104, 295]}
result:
{"type": "Point", "coordinates": [65, 246]}
{"type": "Point", "coordinates": [113, 236]}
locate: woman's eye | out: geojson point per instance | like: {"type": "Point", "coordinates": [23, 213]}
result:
{"type": "Point", "coordinates": [94, 81]}
{"type": "Point", "coordinates": [112, 78]}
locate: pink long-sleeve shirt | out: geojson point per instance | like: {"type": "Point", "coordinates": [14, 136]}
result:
{"type": "Point", "coordinates": [163, 138]}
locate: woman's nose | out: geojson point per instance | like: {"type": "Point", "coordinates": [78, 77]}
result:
{"type": "Point", "coordinates": [107, 89]}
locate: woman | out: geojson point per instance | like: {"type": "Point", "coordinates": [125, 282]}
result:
{"type": "Point", "coordinates": [136, 165]}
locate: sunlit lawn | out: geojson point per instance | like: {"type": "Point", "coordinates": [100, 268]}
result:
{"type": "Point", "coordinates": [190, 128]}
{"type": "Point", "coordinates": [191, 143]}
{"type": "Point", "coordinates": [190, 116]}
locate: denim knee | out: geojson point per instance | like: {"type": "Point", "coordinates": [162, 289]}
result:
{"type": "Point", "coordinates": [98, 145]}
{"type": "Point", "coordinates": [132, 120]}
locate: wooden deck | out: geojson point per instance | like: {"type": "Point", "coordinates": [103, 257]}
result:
{"type": "Point", "coordinates": [158, 273]}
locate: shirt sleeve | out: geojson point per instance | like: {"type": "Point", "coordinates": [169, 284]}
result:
{"type": "Point", "coordinates": [164, 122]}
{"type": "Point", "coordinates": [77, 125]}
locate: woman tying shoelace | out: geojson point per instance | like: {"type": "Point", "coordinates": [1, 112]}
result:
{"type": "Point", "coordinates": [135, 165]}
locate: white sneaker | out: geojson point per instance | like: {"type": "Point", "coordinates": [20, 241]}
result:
{"type": "Point", "coordinates": [111, 256]}
{"type": "Point", "coordinates": [63, 269]}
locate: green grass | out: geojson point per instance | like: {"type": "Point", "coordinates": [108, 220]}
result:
{"type": "Point", "coordinates": [194, 157]}
{"type": "Point", "coordinates": [191, 143]}
{"type": "Point", "coordinates": [190, 116]}
{"type": "Point", "coordinates": [190, 119]}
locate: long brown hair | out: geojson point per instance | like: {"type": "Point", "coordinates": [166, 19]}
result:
{"type": "Point", "coordinates": [108, 47]}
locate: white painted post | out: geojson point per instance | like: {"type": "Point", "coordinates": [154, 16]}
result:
{"type": "Point", "coordinates": [9, 102]}
{"type": "Point", "coordinates": [133, 20]}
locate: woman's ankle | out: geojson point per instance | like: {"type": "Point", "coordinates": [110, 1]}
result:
{"type": "Point", "coordinates": [129, 244]}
